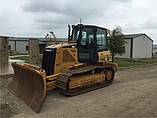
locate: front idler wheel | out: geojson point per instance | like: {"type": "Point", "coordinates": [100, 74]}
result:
{"type": "Point", "coordinates": [109, 75]}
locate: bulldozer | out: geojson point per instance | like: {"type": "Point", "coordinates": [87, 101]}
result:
{"type": "Point", "coordinates": [80, 65]}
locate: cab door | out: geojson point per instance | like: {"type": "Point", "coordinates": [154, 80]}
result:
{"type": "Point", "coordinates": [87, 45]}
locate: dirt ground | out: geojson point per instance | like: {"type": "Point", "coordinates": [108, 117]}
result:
{"type": "Point", "coordinates": [132, 94]}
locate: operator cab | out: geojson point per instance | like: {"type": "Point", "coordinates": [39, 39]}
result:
{"type": "Point", "coordinates": [90, 40]}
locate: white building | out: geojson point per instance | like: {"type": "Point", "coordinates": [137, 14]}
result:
{"type": "Point", "coordinates": [154, 50]}
{"type": "Point", "coordinates": [138, 46]}
{"type": "Point", "coordinates": [20, 44]}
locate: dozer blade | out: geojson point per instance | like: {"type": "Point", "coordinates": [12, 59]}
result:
{"type": "Point", "coordinates": [29, 85]}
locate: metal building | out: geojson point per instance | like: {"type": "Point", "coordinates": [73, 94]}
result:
{"type": "Point", "coordinates": [20, 44]}
{"type": "Point", "coordinates": [155, 50]}
{"type": "Point", "coordinates": [138, 46]}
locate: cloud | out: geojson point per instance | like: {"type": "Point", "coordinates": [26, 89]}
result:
{"type": "Point", "coordinates": [57, 14]}
{"type": "Point", "coordinates": [71, 7]}
{"type": "Point", "coordinates": [38, 17]}
{"type": "Point", "coordinates": [150, 23]}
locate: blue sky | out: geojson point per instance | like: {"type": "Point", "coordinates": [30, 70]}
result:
{"type": "Point", "coordinates": [36, 18]}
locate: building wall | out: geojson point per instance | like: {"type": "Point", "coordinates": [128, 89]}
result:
{"type": "Point", "coordinates": [12, 45]}
{"type": "Point", "coordinates": [19, 44]}
{"type": "Point", "coordinates": [155, 50]}
{"type": "Point", "coordinates": [142, 47]}
{"type": "Point", "coordinates": [127, 49]}
{"type": "Point", "coordinates": [21, 47]}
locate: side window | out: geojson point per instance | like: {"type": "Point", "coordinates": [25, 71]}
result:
{"type": "Point", "coordinates": [87, 43]}
{"type": "Point", "coordinates": [84, 36]}
{"type": "Point", "coordinates": [101, 39]}
{"type": "Point", "coordinates": [75, 35]}
{"type": "Point", "coordinates": [87, 38]}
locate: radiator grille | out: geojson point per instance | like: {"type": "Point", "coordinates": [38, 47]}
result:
{"type": "Point", "coordinates": [49, 60]}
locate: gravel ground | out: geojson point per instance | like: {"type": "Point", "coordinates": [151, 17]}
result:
{"type": "Point", "coordinates": [132, 94]}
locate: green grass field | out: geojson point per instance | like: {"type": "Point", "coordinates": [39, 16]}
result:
{"type": "Point", "coordinates": [25, 58]}
{"type": "Point", "coordinates": [126, 63]}
{"type": "Point", "coordinates": [120, 62]}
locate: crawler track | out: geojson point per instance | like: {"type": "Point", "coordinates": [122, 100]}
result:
{"type": "Point", "coordinates": [65, 78]}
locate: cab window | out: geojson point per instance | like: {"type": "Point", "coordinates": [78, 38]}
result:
{"type": "Point", "coordinates": [101, 39]}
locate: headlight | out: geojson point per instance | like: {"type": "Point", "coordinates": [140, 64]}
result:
{"type": "Point", "coordinates": [106, 58]}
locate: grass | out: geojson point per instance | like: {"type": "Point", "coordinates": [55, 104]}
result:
{"type": "Point", "coordinates": [126, 63]}
{"type": "Point", "coordinates": [23, 58]}
{"type": "Point", "coordinates": [120, 62]}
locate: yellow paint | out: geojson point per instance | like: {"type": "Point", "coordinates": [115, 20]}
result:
{"type": "Point", "coordinates": [66, 57]}
{"type": "Point", "coordinates": [51, 85]}
{"type": "Point", "coordinates": [104, 56]}
{"type": "Point", "coordinates": [79, 81]}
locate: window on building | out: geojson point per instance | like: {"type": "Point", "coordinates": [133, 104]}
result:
{"type": "Point", "coordinates": [26, 47]}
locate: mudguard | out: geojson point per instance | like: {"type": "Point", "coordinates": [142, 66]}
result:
{"type": "Point", "coordinates": [29, 85]}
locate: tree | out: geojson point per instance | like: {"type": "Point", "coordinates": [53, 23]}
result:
{"type": "Point", "coordinates": [117, 42]}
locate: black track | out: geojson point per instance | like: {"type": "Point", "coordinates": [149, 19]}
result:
{"type": "Point", "coordinates": [64, 79]}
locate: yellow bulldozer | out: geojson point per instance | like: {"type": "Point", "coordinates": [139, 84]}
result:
{"type": "Point", "coordinates": [81, 64]}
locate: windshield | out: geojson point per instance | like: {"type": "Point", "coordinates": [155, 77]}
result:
{"type": "Point", "coordinates": [88, 35]}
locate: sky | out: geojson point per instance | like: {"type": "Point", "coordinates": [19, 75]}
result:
{"type": "Point", "coordinates": [36, 18]}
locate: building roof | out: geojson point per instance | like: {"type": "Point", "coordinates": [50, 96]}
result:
{"type": "Point", "coordinates": [129, 36]}
{"type": "Point", "coordinates": [40, 39]}
{"type": "Point", "coordinates": [132, 36]}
